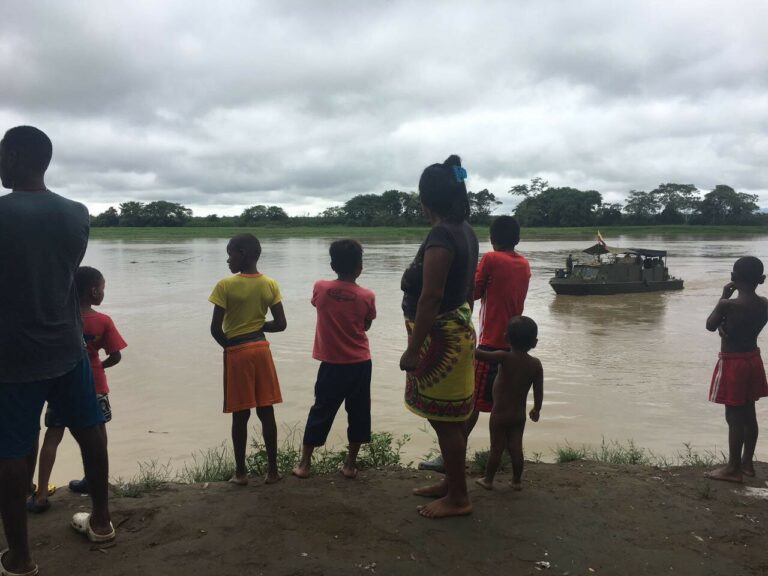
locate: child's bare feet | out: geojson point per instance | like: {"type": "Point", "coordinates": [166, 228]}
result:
{"type": "Point", "coordinates": [301, 471]}
{"type": "Point", "coordinates": [444, 508]}
{"type": "Point", "coordinates": [272, 478]}
{"type": "Point", "coordinates": [517, 486]}
{"type": "Point", "coordinates": [239, 480]}
{"type": "Point", "coordinates": [350, 473]}
{"type": "Point", "coordinates": [748, 469]}
{"type": "Point", "coordinates": [482, 482]}
{"type": "Point", "coordinates": [438, 490]}
{"type": "Point", "coordinates": [725, 474]}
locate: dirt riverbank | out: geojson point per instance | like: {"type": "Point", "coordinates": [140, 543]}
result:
{"type": "Point", "coordinates": [580, 518]}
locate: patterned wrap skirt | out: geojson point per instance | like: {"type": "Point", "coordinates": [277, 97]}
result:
{"type": "Point", "coordinates": [443, 385]}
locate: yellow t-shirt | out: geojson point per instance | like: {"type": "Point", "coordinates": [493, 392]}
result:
{"type": "Point", "coordinates": [245, 299]}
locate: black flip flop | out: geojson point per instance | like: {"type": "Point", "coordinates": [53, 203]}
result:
{"type": "Point", "coordinates": [35, 508]}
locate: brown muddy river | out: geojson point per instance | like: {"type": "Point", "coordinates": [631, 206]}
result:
{"type": "Point", "coordinates": [617, 367]}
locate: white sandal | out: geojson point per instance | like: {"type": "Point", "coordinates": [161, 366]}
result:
{"type": "Point", "coordinates": [81, 522]}
{"type": "Point", "coordinates": [4, 572]}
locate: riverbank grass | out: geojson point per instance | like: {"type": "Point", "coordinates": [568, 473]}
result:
{"type": "Point", "coordinates": [617, 453]}
{"type": "Point", "coordinates": [384, 452]}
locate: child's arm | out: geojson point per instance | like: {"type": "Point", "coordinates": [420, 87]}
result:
{"type": "Point", "coordinates": [371, 315]}
{"type": "Point", "coordinates": [278, 322]}
{"type": "Point", "coordinates": [481, 279]}
{"type": "Point", "coordinates": [111, 359]}
{"type": "Point", "coordinates": [495, 356]}
{"type": "Point", "coordinates": [538, 393]}
{"type": "Point", "coordinates": [716, 318]}
{"type": "Point", "coordinates": [217, 322]}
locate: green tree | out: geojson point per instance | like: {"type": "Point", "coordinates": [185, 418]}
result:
{"type": "Point", "coordinates": [641, 206]}
{"type": "Point", "coordinates": [678, 202]}
{"type": "Point", "coordinates": [609, 215]}
{"type": "Point", "coordinates": [363, 210]}
{"type": "Point", "coordinates": [724, 205]}
{"type": "Point", "coordinates": [163, 213]}
{"type": "Point", "coordinates": [536, 187]}
{"type": "Point", "coordinates": [412, 212]}
{"type": "Point", "coordinates": [559, 207]}
{"type": "Point", "coordinates": [109, 217]}
{"type": "Point", "coordinates": [276, 214]}
{"type": "Point", "coordinates": [132, 214]}
{"type": "Point", "coordinates": [334, 214]}
{"type": "Point", "coordinates": [481, 205]}
{"type": "Point", "coordinates": [253, 215]}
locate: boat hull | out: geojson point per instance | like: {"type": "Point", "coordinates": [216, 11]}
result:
{"type": "Point", "coordinates": [576, 288]}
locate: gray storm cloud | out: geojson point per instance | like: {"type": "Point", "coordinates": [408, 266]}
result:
{"type": "Point", "coordinates": [305, 104]}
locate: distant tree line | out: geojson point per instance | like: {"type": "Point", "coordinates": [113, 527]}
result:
{"type": "Point", "coordinates": [392, 208]}
{"type": "Point", "coordinates": [541, 205]}
{"type": "Point", "coordinates": [669, 203]}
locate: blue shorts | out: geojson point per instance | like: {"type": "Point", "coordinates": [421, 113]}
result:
{"type": "Point", "coordinates": [53, 420]}
{"type": "Point", "coordinates": [71, 395]}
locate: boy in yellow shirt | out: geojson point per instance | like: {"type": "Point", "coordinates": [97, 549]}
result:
{"type": "Point", "coordinates": [240, 305]}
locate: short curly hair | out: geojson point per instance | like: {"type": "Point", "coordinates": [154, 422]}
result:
{"type": "Point", "coordinates": [522, 333]}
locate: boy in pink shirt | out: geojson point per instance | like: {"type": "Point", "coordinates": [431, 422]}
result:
{"type": "Point", "coordinates": [345, 312]}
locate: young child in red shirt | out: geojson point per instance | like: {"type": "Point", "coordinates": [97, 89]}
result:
{"type": "Point", "coordinates": [501, 285]}
{"type": "Point", "coordinates": [345, 312]}
{"type": "Point", "coordinates": [99, 333]}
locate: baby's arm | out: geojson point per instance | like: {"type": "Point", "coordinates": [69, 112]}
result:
{"type": "Point", "coordinates": [538, 393]}
{"type": "Point", "coordinates": [111, 359]}
{"type": "Point", "coordinates": [278, 322]}
{"type": "Point", "coordinates": [495, 356]}
{"type": "Point", "coordinates": [217, 321]}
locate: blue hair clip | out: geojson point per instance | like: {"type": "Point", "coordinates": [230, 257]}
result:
{"type": "Point", "coordinates": [459, 173]}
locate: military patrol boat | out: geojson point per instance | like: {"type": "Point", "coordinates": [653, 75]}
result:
{"type": "Point", "coordinates": [615, 271]}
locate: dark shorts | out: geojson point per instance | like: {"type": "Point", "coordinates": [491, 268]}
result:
{"type": "Point", "coordinates": [53, 420]}
{"type": "Point", "coordinates": [485, 374]}
{"type": "Point", "coordinates": [71, 395]}
{"type": "Point", "coordinates": [337, 384]}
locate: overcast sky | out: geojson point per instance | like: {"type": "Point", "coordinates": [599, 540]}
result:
{"type": "Point", "coordinates": [222, 105]}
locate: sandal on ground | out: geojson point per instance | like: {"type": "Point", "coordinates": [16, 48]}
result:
{"type": "Point", "coordinates": [437, 464]}
{"type": "Point", "coordinates": [35, 508]}
{"type": "Point", "coordinates": [79, 486]}
{"type": "Point", "coordinates": [81, 522]}
{"type": "Point", "coordinates": [4, 572]}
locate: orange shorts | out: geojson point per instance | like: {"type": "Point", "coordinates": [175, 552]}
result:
{"type": "Point", "coordinates": [250, 379]}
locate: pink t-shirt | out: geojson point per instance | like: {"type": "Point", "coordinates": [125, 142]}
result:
{"type": "Point", "coordinates": [100, 333]}
{"type": "Point", "coordinates": [501, 282]}
{"type": "Point", "coordinates": [343, 308]}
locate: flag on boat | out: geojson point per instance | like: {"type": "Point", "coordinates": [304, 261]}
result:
{"type": "Point", "coordinates": [600, 239]}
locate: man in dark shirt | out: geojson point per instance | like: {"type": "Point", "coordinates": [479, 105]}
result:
{"type": "Point", "coordinates": [43, 237]}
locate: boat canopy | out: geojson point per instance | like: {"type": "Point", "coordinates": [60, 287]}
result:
{"type": "Point", "coordinates": [645, 252]}
{"type": "Point", "coordinates": [598, 249]}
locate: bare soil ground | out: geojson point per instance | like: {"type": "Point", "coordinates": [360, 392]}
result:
{"type": "Point", "coordinates": [580, 518]}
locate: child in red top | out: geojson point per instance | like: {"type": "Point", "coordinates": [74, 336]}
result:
{"type": "Point", "coordinates": [99, 333]}
{"type": "Point", "coordinates": [345, 312]}
{"type": "Point", "coordinates": [739, 377]}
{"type": "Point", "coordinates": [501, 285]}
